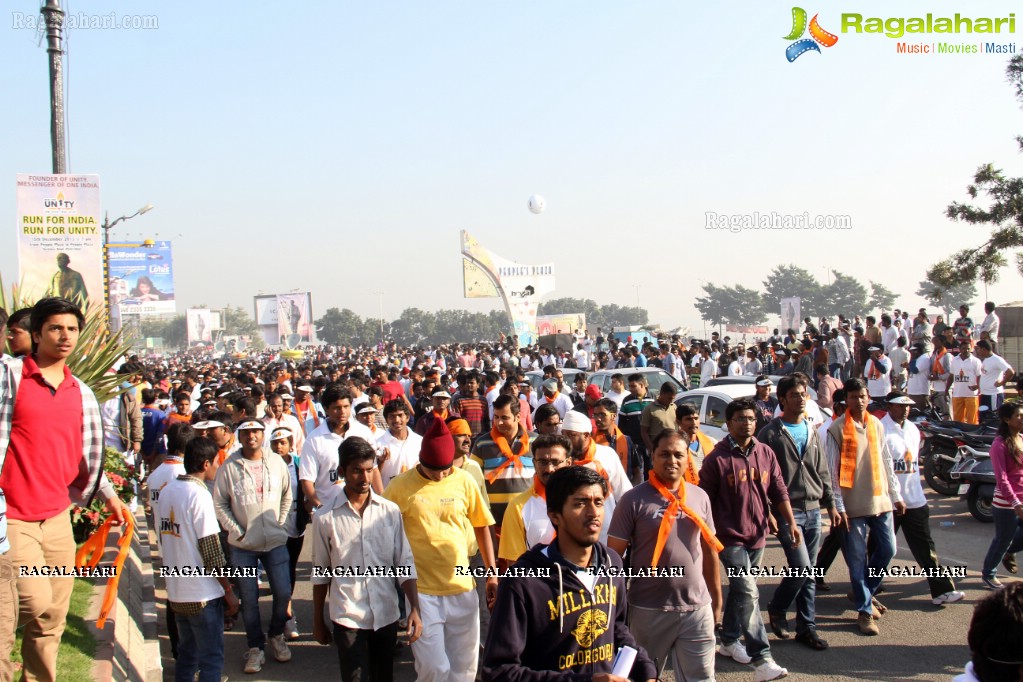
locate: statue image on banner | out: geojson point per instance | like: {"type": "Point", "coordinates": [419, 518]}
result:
{"type": "Point", "coordinates": [68, 283]}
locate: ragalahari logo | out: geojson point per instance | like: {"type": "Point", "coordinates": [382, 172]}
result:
{"type": "Point", "coordinates": [817, 35]}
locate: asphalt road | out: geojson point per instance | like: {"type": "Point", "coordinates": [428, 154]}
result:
{"type": "Point", "coordinates": [918, 641]}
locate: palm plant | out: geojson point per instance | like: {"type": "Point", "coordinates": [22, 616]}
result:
{"type": "Point", "coordinates": [97, 350]}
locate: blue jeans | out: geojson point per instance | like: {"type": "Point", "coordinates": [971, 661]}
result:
{"type": "Point", "coordinates": [276, 563]}
{"type": "Point", "coordinates": [742, 607]}
{"type": "Point", "coordinates": [201, 644]}
{"type": "Point", "coordinates": [854, 549]}
{"type": "Point", "coordinates": [1008, 539]}
{"type": "Point", "coordinates": [802, 590]}
{"type": "Point", "coordinates": [835, 370]}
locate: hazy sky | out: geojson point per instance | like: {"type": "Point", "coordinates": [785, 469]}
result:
{"type": "Point", "coordinates": [340, 147]}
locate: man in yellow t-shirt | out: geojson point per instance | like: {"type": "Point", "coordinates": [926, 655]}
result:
{"type": "Point", "coordinates": [438, 504]}
{"type": "Point", "coordinates": [525, 521]}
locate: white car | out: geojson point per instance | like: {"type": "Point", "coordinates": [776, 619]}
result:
{"type": "Point", "coordinates": [711, 403]}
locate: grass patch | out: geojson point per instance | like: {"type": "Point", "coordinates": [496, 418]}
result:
{"type": "Point", "coordinates": [77, 646]}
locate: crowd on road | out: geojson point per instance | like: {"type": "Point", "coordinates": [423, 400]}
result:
{"type": "Point", "coordinates": [505, 519]}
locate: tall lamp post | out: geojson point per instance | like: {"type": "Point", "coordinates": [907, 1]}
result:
{"type": "Point", "coordinates": [107, 226]}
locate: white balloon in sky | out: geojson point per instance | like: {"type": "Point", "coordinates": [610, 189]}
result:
{"type": "Point", "coordinates": [537, 204]}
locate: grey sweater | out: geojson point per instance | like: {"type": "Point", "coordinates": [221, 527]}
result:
{"type": "Point", "coordinates": [808, 479]}
{"type": "Point", "coordinates": [253, 521]}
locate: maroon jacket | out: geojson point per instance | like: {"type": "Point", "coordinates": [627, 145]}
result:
{"type": "Point", "coordinates": [741, 489]}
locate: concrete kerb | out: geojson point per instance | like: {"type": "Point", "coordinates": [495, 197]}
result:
{"type": "Point", "coordinates": [128, 648]}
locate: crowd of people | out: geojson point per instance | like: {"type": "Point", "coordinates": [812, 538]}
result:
{"type": "Point", "coordinates": [451, 504]}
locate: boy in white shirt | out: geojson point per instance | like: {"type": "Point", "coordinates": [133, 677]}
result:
{"type": "Point", "coordinates": [964, 379]}
{"type": "Point", "coordinates": [190, 542]}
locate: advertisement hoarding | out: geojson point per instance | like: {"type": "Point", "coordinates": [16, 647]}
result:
{"type": "Point", "coordinates": [565, 323]}
{"type": "Point", "coordinates": [790, 315]}
{"type": "Point", "coordinates": [285, 316]}
{"type": "Point", "coordinates": [141, 278]}
{"type": "Point", "coordinates": [60, 245]}
{"type": "Point", "coordinates": [200, 327]}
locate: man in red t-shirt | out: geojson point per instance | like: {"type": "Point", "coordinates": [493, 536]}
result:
{"type": "Point", "coordinates": [51, 454]}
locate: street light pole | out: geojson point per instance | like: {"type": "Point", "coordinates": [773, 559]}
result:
{"type": "Point", "coordinates": [107, 226]}
{"type": "Point", "coordinates": [54, 17]}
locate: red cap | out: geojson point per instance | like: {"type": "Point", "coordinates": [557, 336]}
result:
{"type": "Point", "coordinates": [438, 448]}
{"type": "Point", "coordinates": [593, 393]}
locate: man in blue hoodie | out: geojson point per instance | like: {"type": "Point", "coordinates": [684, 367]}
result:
{"type": "Point", "coordinates": [564, 609]}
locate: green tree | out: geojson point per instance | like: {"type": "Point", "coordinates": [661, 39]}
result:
{"type": "Point", "coordinates": [1003, 214]}
{"type": "Point", "coordinates": [339, 327]}
{"type": "Point", "coordinates": [947, 299]}
{"type": "Point", "coordinates": [789, 280]}
{"type": "Point", "coordinates": [413, 327]}
{"type": "Point", "coordinates": [173, 331]}
{"type": "Point", "coordinates": [881, 297]}
{"type": "Point", "coordinates": [731, 305]}
{"type": "Point", "coordinates": [844, 295]}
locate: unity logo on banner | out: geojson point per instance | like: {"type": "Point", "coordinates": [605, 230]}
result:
{"type": "Point", "coordinates": [60, 245]}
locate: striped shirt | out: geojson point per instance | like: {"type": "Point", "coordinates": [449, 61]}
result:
{"type": "Point", "coordinates": [509, 482]}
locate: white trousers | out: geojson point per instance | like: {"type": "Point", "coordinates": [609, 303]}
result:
{"type": "Point", "coordinates": [449, 649]}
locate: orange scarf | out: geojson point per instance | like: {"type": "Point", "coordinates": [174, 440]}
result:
{"type": "Point", "coordinates": [874, 373]}
{"type": "Point", "coordinates": [621, 445]}
{"type": "Point", "coordinates": [936, 367]}
{"type": "Point", "coordinates": [552, 398]}
{"type": "Point", "coordinates": [510, 458]}
{"type": "Point", "coordinates": [539, 489]}
{"type": "Point", "coordinates": [588, 459]}
{"type": "Point", "coordinates": [847, 464]}
{"type": "Point", "coordinates": [676, 504]}
{"type": "Point", "coordinates": [443, 416]}
{"type": "Point", "coordinates": [692, 475]}
{"type": "Point", "coordinates": [306, 408]}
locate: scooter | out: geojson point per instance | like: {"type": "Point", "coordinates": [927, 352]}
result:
{"type": "Point", "coordinates": [976, 478]}
{"type": "Point", "coordinates": [940, 450]}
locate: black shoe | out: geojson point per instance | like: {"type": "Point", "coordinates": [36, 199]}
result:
{"type": "Point", "coordinates": [779, 625]}
{"type": "Point", "coordinates": [1009, 561]}
{"type": "Point", "coordinates": [811, 639]}
{"type": "Point", "coordinates": [823, 586]}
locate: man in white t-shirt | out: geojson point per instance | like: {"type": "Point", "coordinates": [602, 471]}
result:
{"type": "Point", "coordinates": [582, 358]}
{"type": "Point", "coordinates": [708, 366]}
{"type": "Point", "coordinates": [878, 373]}
{"type": "Point", "coordinates": [577, 428]}
{"type": "Point", "coordinates": [189, 543]}
{"type": "Point", "coordinates": [964, 379]}
{"type": "Point", "coordinates": [918, 384]}
{"type": "Point", "coordinates": [617, 392]}
{"type": "Point", "coordinates": [903, 440]}
{"type": "Point", "coordinates": [399, 444]}
{"type": "Point", "coordinates": [172, 465]}
{"type": "Point", "coordinates": [317, 472]}
{"type": "Point", "coordinates": [990, 325]}
{"type": "Point", "coordinates": [994, 374]}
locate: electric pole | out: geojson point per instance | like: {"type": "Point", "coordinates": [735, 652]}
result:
{"type": "Point", "coordinates": [54, 17]}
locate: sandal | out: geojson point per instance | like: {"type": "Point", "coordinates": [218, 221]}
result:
{"type": "Point", "coordinates": [811, 639]}
{"type": "Point", "coordinates": [779, 625]}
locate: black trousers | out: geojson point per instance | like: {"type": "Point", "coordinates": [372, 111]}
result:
{"type": "Point", "coordinates": [916, 528]}
{"type": "Point", "coordinates": [830, 548]}
{"type": "Point", "coordinates": [366, 655]}
{"type": "Point", "coordinates": [294, 549]}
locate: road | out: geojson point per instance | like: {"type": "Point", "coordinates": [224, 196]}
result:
{"type": "Point", "coordinates": [918, 641]}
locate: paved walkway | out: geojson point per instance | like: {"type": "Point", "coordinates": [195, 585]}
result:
{"type": "Point", "coordinates": [918, 641]}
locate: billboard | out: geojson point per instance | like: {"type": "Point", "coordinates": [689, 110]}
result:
{"type": "Point", "coordinates": [60, 241]}
{"type": "Point", "coordinates": [790, 315]}
{"type": "Point", "coordinates": [476, 283]}
{"type": "Point", "coordinates": [285, 319]}
{"type": "Point", "coordinates": [200, 326]}
{"type": "Point", "coordinates": [141, 278]}
{"type": "Point", "coordinates": [293, 323]}
{"type": "Point", "coordinates": [566, 323]}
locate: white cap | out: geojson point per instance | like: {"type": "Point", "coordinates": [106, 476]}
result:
{"type": "Point", "coordinates": [280, 433]}
{"type": "Point", "coordinates": [576, 421]}
{"type": "Point", "coordinates": [211, 424]}
{"type": "Point", "coordinates": [251, 425]}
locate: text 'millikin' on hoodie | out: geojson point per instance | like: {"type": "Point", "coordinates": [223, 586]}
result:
{"type": "Point", "coordinates": [554, 627]}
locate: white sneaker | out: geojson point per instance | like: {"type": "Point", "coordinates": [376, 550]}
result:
{"type": "Point", "coordinates": [768, 670]}
{"type": "Point", "coordinates": [254, 660]}
{"type": "Point", "coordinates": [736, 651]}
{"type": "Point", "coordinates": [291, 629]}
{"type": "Point", "coordinates": [948, 598]}
{"type": "Point", "coordinates": [279, 648]}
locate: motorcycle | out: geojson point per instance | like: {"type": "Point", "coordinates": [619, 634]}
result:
{"type": "Point", "coordinates": [940, 449]}
{"type": "Point", "coordinates": [976, 478]}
